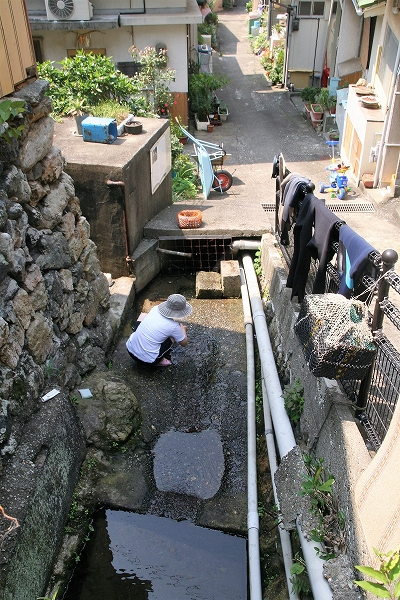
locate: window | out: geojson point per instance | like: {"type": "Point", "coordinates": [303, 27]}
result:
{"type": "Point", "coordinates": [38, 47]}
{"type": "Point", "coordinates": [311, 8]}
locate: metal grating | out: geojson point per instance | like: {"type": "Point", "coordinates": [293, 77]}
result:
{"type": "Point", "coordinates": [268, 206]}
{"type": "Point", "coordinates": [343, 206]}
{"type": "Point", "coordinates": [191, 254]}
{"type": "Point", "coordinates": [350, 206]}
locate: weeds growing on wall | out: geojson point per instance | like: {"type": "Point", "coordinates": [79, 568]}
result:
{"type": "Point", "coordinates": [386, 582]}
{"type": "Point", "coordinates": [330, 531]}
{"type": "Point", "coordinates": [294, 400]}
{"type": "Point", "coordinates": [10, 112]}
{"type": "Point", "coordinates": [88, 78]}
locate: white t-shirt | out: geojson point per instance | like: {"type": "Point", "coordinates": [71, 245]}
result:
{"type": "Point", "coordinates": [145, 342]}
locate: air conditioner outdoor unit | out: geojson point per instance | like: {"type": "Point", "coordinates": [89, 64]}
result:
{"type": "Point", "coordinates": [69, 10]}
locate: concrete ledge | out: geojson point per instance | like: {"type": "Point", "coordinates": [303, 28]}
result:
{"type": "Point", "coordinates": [146, 263]}
{"type": "Point", "coordinates": [122, 295]}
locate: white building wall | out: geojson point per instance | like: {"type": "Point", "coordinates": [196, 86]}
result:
{"type": "Point", "coordinates": [350, 34]}
{"type": "Point", "coordinates": [118, 41]}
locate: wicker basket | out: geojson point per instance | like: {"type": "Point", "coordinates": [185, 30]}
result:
{"type": "Point", "coordinates": [335, 336]}
{"type": "Point", "coordinates": [190, 219]}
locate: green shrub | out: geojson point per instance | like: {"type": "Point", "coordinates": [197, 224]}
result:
{"type": "Point", "coordinates": [309, 94]}
{"type": "Point", "coordinates": [90, 78]}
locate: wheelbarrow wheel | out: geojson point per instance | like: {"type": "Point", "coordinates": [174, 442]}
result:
{"type": "Point", "coordinates": [222, 181]}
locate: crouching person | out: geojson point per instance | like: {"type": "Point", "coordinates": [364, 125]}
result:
{"type": "Point", "coordinates": [153, 338]}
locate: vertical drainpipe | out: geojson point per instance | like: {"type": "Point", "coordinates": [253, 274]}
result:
{"type": "Point", "coordinates": [388, 116]}
{"type": "Point", "coordinates": [253, 529]}
{"type": "Point", "coordinates": [281, 423]}
{"type": "Point", "coordinates": [110, 183]}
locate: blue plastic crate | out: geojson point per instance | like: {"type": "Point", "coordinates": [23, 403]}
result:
{"type": "Point", "coordinates": [97, 129]}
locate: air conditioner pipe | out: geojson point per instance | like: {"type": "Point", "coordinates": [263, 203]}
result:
{"type": "Point", "coordinates": [282, 427]}
{"type": "Point", "coordinates": [252, 499]}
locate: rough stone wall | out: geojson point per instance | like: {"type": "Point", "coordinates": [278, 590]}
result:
{"type": "Point", "coordinates": [53, 303]}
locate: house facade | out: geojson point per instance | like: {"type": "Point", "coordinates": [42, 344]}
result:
{"type": "Point", "coordinates": [61, 28]}
{"type": "Point", "coordinates": [337, 42]}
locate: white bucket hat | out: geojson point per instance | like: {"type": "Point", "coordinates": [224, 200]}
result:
{"type": "Point", "coordinates": [175, 307]}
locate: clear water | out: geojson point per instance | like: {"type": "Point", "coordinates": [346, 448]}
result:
{"type": "Point", "coordinates": [138, 557]}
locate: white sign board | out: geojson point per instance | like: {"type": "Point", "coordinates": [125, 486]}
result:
{"type": "Point", "coordinates": [160, 160]}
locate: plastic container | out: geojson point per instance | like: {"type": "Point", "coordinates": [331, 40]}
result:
{"type": "Point", "coordinates": [101, 130]}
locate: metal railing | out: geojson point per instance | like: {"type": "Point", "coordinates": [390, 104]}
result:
{"type": "Point", "coordinates": [374, 398]}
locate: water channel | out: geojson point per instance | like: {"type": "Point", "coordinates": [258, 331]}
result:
{"type": "Point", "coordinates": [174, 524]}
{"type": "Point", "coordinates": [139, 557]}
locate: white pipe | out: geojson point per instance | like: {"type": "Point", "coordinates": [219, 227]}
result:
{"type": "Point", "coordinates": [283, 429]}
{"type": "Point", "coordinates": [252, 498]}
{"type": "Point", "coordinates": [388, 117]}
{"type": "Point", "coordinates": [269, 436]}
{"type": "Point", "coordinates": [245, 245]}
{"type": "Point", "coordinates": [282, 426]}
{"type": "Point", "coordinates": [283, 533]}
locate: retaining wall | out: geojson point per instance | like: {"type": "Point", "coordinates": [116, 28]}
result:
{"type": "Point", "coordinates": [327, 427]}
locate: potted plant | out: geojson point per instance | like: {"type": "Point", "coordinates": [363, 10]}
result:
{"type": "Point", "coordinates": [309, 96]}
{"type": "Point", "coordinates": [223, 112]}
{"type": "Point", "coordinates": [334, 135]}
{"type": "Point", "coordinates": [317, 112]}
{"type": "Point", "coordinates": [79, 110]}
{"type": "Point", "coordinates": [326, 99]}
{"type": "Point", "coordinates": [202, 87]}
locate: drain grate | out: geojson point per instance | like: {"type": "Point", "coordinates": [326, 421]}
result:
{"type": "Point", "coordinates": [197, 254]}
{"type": "Point", "coordinates": [334, 206]}
{"type": "Point", "coordinates": [349, 206]}
{"type": "Point", "coordinates": [268, 206]}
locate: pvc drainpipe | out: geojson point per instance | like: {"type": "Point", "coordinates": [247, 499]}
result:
{"type": "Point", "coordinates": [252, 454]}
{"type": "Point", "coordinates": [283, 533]}
{"type": "Point", "coordinates": [388, 116]}
{"type": "Point", "coordinates": [283, 430]}
{"type": "Point", "coordinates": [252, 498]}
{"type": "Point", "coordinates": [245, 245]}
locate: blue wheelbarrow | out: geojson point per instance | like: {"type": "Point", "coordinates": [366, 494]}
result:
{"type": "Point", "coordinates": [209, 158]}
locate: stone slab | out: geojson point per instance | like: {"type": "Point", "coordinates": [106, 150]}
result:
{"type": "Point", "coordinates": [189, 463]}
{"type": "Point", "coordinates": [208, 285]}
{"type": "Point", "coordinates": [230, 278]}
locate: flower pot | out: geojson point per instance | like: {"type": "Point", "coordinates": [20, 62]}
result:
{"type": "Point", "coordinates": [201, 125]}
{"type": "Point", "coordinates": [210, 128]}
{"type": "Point", "coordinates": [183, 140]}
{"type": "Point", "coordinates": [78, 122]}
{"type": "Point", "coordinates": [134, 127]}
{"type": "Point", "coordinates": [317, 112]}
{"type": "Point", "coordinates": [223, 115]}
{"type": "Point", "coordinates": [307, 109]}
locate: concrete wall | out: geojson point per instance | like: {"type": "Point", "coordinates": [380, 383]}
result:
{"type": "Point", "coordinates": [327, 427]}
{"type": "Point", "coordinates": [116, 43]}
{"type": "Point", "coordinates": [117, 214]}
{"type": "Point", "coordinates": [57, 321]}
